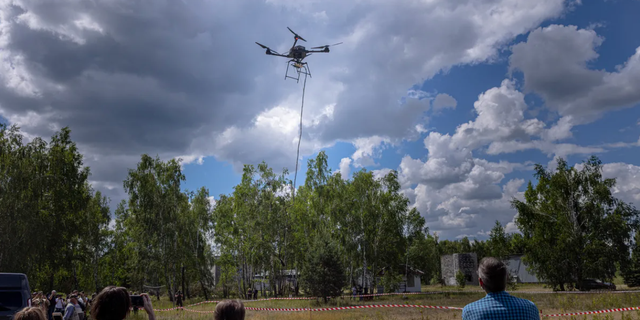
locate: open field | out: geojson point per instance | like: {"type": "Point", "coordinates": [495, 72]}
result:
{"type": "Point", "coordinates": [547, 303]}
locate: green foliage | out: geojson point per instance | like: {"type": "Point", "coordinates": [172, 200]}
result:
{"type": "Point", "coordinates": [573, 226]}
{"type": "Point", "coordinates": [461, 280]}
{"type": "Point", "coordinates": [55, 225]}
{"type": "Point", "coordinates": [323, 274]}
{"type": "Point", "coordinates": [498, 243]}
{"type": "Point", "coordinates": [632, 273]}
{"type": "Point", "coordinates": [335, 233]}
{"type": "Point", "coordinates": [391, 281]}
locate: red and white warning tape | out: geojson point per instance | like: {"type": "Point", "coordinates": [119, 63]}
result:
{"type": "Point", "coordinates": [591, 312]}
{"type": "Point", "coordinates": [398, 306]}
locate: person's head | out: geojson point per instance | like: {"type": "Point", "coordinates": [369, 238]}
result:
{"type": "Point", "coordinates": [229, 310]}
{"type": "Point", "coordinates": [53, 292]}
{"type": "Point", "coordinates": [73, 298]}
{"type": "Point", "coordinates": [30, 313]}
{"type": "Point", "coordinates": [112, 303]}
{"type": "Point", "coordinates": [492, 274]}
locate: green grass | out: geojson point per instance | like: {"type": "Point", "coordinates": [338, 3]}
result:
{"type": "Point", "coordinates": [547, 303]}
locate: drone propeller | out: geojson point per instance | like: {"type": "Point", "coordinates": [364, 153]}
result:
{"type": "Point", "coordinates": [327, 46]}
{"type": "Point", "coordinates": [297, 36]}
{"type": "Point", "coordinates": [262, 45]}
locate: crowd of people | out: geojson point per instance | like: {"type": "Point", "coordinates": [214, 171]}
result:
{"type": "Point", "coordinates": [72, 307]}
{"type": "Point", "coordinates": [114, 303]}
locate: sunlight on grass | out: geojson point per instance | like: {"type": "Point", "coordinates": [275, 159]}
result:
{"type": "Point", "coordinates": [547, 303]}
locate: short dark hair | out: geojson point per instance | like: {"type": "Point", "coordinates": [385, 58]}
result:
{"type": "Point", "coordinates": [112, 303]}
{"type": "Point", "coordinates": [493, 273]}
{"type": "Point", "coordinates": [229, 310]}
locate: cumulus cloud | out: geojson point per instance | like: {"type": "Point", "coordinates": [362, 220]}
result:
{"type": "Point", "coordinates": [345, 167]}
{"type": "Point", "coordinates": [627, 181]}
{"type": "Point", "coordinates": [444, 101]}
{"type": "Point", "coordinates": [554, 61]}
{"type": "Point", "coordinates": [185, 78]}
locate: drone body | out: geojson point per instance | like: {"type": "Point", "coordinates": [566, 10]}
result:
{"type": "Point", "coordinates": [296, 54]}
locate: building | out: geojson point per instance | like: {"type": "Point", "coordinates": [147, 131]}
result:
{"type": "Point", "coordinates": [467, 263]}
{"type": "Point", "coordinates": [518, 270]}
{"type": "Point", "coordinates": [410, 280]}
{"type": "Point", "coordinates": [288, 278]}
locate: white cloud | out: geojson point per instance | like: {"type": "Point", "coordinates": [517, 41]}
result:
{"type": "Point", "coordinates": [444, 101]}
{"type": "Point", "coordinates": [500, 117]}
{"type": "Point", "coordinates": [367, 149]}
{"type": "Point", "coordinates": [627, 181]}
{"type": "Point", "coordinates": [212, 201]}
{"type": "Point", "coordinates": [345, 168]}
{"type": "Point", "coordinates": [554, 61]}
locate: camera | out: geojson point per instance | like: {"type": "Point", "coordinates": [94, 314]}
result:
{"type": "Point", "coordinates": [137, 301]}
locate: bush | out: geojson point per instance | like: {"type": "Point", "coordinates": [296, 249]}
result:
{"type": "Point", "coordinates": [323, 273]}
{"type": "Point", "coordinates": [461, 280]}
{"type": "Point", "coordinates": [632, 273]}
{"type": "Point", "coordinates": [512, 283]}
{"type": "Point", "coordinates": [391, 281]}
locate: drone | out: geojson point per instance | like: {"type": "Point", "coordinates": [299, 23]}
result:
{"type": "Point", "coordinates": [296, 54]}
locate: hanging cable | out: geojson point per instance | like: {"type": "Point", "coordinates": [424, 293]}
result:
{"type": "Point", "coordinates": [295, 176]}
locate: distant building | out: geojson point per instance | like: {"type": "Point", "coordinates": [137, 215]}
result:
{"type": "Point", "coordinates": [410, 280]}
{"type": "Point", "coordinates": [467, 263]}
{"type": "Point", "coordinates": [518, 270]}
{"type": "Point", "coordinates": [289, 278]}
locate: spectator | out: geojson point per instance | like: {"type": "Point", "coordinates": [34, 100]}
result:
{"type": "Point", "coordinates": [72, 309]}
{"type": "Point", "coordinates": [113, 303]}
{"type": "Point", "coordinates": [498, 304]}
{"type": "Point", "coordinates": [29, 313]}
{"type": "Point", "coordinates": [59, 304]}
{"type": "Point", "coordinates": [52, 304]}
{"type": "Point", "coordinates": [179, 299]}
{"type": "Point", "coordinates": [229, 310]}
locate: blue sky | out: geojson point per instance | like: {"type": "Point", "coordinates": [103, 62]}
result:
{"type": "Point", "coordinates": [529, 81]}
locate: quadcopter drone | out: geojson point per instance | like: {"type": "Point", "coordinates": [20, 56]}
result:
{"type": "Point", "coordinates": [297, 53]}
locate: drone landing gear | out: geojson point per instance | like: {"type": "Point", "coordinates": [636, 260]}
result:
{"type": "Point", "coordinates": [301, 68]}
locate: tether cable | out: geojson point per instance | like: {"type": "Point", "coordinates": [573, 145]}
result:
{"type": "Point", "coordinates": [295, 176]}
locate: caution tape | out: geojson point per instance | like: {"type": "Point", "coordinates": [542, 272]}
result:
{"type": "Point", "coordinates": [337, 308]}
{"type": "Point", "coordinates": [591, 312]}
{"type": "Point", "coordinates": [416, 306]}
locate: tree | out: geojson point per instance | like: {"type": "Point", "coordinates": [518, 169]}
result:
{"type": "Point", "coordinates": [156, 208]}
{"type": "Point", "coordinates": [461, 280]}
{"type": "Point", "coordinates": [632, 273]}
{"type": "Point", "coordinates": [573, 226]}
{"type": "Point", "coordinates": [498, 242]}
{"type": "Point", "coordinates": [323, 273]}
{"type": "Point", "coordinates": [44, 192]}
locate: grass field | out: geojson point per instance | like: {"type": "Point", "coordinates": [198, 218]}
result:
{"type": "Point", "coordinates": [547, 303]}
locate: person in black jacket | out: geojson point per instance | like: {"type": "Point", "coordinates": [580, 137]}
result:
{"type": "Point", "coordinates": [52, 304]}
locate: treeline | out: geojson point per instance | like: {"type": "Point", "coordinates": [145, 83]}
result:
{"type": "Point", "coordinates": [60, 232]}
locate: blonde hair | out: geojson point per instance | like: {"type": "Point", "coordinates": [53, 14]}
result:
{"type": "Point", "coordinates": [30, 313]}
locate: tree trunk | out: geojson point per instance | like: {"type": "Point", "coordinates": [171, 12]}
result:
{"type": "Point", "coordinates": [182, 269]}
{"type": "Point", "coordinates": [204, 290]}
{"type": "Point", "coordinates": [75, 277]}
{"type": "Point", "coordinates": [95, 271]}
{"type": "Point", "coordinates": [51, 282]}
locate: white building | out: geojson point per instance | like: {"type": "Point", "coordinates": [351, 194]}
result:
{"type": "Point", "coordinates": [410, 280]}
{"type": "Point", "coordinates": [518, 270]}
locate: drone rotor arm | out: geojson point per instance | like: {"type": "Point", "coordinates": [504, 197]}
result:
{"type": "Point", "coordinates": [298, 37]}
{"type": "Point", "coordinates": [327, 46]}
{"type": "Point", "coordinates": [270, 51]}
